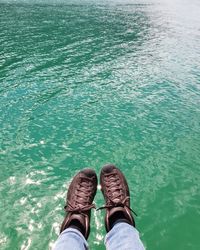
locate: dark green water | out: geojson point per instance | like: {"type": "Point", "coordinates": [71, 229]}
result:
{"type": "Point", "coordinates": [86, 83]}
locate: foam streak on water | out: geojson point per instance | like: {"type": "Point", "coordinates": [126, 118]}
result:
{"type": "Point", "coordinates": [83, 83]}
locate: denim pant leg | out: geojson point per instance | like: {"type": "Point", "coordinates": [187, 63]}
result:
{"type": "Point", "coordinates": [71, 239]}
{"type": "Point", "coordinates": [123, 237]}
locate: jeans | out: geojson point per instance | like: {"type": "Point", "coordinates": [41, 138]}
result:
{"type": "Point", "coordinates": [121, 237]}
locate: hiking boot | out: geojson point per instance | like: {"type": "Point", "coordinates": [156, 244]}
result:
{"type": "Point", "coordinates": [116, 194]}
{"type": "Point", "coordinates": [79, 200]}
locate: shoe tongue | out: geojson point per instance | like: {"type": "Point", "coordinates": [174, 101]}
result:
{"type": "Point", "coordinates": [116, 196]}
{"type": "Point", "coordinates": [116, 200]}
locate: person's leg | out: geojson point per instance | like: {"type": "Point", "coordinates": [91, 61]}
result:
{"type": "Point", "coordinates": [119, 221]}
{"type": "Point", "coordinates": [75, 228]}
{"type": "Point", "coordinates": [123, 237]}
{"type": "Point", "coordinates": [71, 239]}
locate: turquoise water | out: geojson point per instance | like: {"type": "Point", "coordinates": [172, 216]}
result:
{"type": "Point", "coordinates": [86, 83]}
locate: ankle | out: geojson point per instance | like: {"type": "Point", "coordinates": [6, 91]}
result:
{"type": "Point", "coordinates": [75, 224]}
{"type": "Point", "coordinates": [116, 218]}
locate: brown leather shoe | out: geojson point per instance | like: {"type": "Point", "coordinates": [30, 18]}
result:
{"type": "Point", "coordinates": [79, 200]}
{"type": "Point", "coordinates": [116, 194]}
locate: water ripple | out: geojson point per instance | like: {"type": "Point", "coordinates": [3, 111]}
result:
{"type": "Point", "coordinates": [87, 83]}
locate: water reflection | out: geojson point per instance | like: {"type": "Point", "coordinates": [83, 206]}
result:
{"type": "Point", "coordinates": [84, 84]}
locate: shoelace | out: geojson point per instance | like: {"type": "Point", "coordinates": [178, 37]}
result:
{"type": "Point", "coordinates": [82, 192]}
{"type": "Point", "coordinates": [78, 209]}
{"type": "Point", "coordinates": [113, 183]}
{"type": "Point", "coordinates": [118, 204]}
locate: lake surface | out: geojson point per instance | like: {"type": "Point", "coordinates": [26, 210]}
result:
{"type": "Point", "coordinates": [84, 83]}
